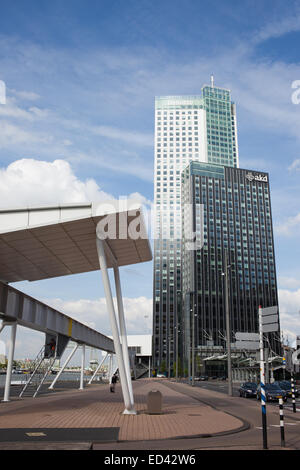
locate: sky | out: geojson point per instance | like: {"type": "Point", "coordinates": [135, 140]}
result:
{"type": "Point", "coordinates": [78, 122]}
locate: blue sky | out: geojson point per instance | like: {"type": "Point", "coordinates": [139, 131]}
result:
{"type": "Point", "coordinates": [81, 78]}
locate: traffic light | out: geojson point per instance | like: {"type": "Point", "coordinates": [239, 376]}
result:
{"type": "Point", "coordinates": [283, 361]}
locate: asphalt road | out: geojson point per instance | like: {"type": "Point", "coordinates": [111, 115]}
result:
{"type": "Point", "coordinates": [247, 409]}
{"type": "Point", "coordinates": [222, 387]}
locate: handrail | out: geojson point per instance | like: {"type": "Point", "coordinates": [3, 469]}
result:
{"type": "Point", "coordinates": [36, 364]}
{"type": "Point", "coordinates": [45, 375]}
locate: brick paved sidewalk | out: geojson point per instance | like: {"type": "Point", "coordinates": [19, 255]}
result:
{"type": "Point", "coordinates": [96, 407]}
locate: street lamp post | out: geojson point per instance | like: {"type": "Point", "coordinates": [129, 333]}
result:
{"type": "Point", "coordinates": [228, 327]}
{"type": "Point", "coordinates": [194, 315]}
{"type": "Point", "coordinates": [177, 332]}
{"type": "Point", "coordinates": [171, 348]}
{"type": "Point", "coordinates": [193, 346]}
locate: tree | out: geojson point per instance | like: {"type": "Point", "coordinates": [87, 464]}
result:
{"type": "Point", "coordinates": [163, 366]}
{"type": "Point", "coordinates": [198, 364]}
{"type": "Point", "coordinates": [180, 369]}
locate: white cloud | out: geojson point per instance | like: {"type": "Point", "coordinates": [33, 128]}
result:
{"type": "Point", "coordinates": [295, 165]}
{"type": "Point", "coordinates": [12, 110]}
{"type": "Point", "coordinates": [136, 138]}
{"type": "Point", "coordinates": [12, 136]}
{"type": "Point", "coordinates": [30, 182]}
{"type": "Point", "coordinates": [33, 182]}
{"type": "Point", "coordinates": [288, 282]}
{"type": "Point", "coordinates": [25, 95]}
{"type": "Point", "coordinates": [138, 313]}
{"type": "Point", "coordinates": [277, 29]}
{"type": "Point", "coordinates": [257, 163]}
{"type": "Point", "coordinates": [289, 227]}
{"type": "Point", "coordinates": [28, 342]}
{"type": "Point", "coordinates": [39, 113]}
{"type": "Point", "coordinates": [116, 160]}
{"type": "Point", "coordinates": [289, 308]}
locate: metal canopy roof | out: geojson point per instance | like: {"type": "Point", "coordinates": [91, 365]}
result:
{"type": "Point", "coordinates": [45, 242]}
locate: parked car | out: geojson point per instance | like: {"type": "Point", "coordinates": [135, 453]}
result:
{"type": "Point", "coordinates": [202, 378]}
{"type": "Point", "coordinates": [248, 389]}
{"type": "Point", "coordinates": [287, 387]}
{"type": "Point", "coordinates": [273, 392]}
{"type": "Point", "coordinates": [161, 376]}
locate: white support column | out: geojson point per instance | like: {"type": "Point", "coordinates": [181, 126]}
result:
{"type": "Point", "coordinates": [123, 332]}
{"type": "Point", "coordinates": [64, 366]}
{"type": "Point", "coordinates": [98, 367]}
{"type": "Point", "coordinates": [82, 367]}
{"type": "Point", "coordinates": [129, 409]}
{"type": "Point", "coordinates": [11, 352]}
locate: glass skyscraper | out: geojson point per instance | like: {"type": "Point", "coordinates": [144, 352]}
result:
{"type": "Point", "coordinates": [187, 128]}
{"type": "Point", "coordinates": [231, 210]}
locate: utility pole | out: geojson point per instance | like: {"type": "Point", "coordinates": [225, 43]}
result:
{"type": "Point", "coordinates": [169, 355]}
{"type": "Point", "coordinates": [262, 380]}
{"type": "Point", "coordinates": [177, 355]}
{"type": "Point", "coordinates": [177, 326]}
{"type": "Point", "coordinates": [228, 326]}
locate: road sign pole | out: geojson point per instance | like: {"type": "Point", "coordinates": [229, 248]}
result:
{"type": "Point", "coordinates": [262, 381]}
{"type": "Point", "coordinates": [293, 391]}
{"type": "Point", "coordinates": [281, 422]}
{"type": "Point", "coordinates": [228, 326]}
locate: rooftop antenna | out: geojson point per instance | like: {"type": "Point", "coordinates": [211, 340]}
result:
{"type": "Point", "coordinates": [212, 80]}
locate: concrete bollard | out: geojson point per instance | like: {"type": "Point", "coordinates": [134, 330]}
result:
{"type": "Point", "coordinates": [154, 402]}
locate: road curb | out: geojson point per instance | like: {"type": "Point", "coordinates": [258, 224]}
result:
{"type": "Point", "coordinates": [245, 426]}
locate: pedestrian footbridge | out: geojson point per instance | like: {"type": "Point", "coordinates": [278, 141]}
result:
{"type": "Point", "coordinates": [45, 242]}
{"type": "Point", "coordinates": [17, 308]}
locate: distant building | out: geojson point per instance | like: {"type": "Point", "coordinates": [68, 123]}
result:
{"type": "Point", "coordinates": [140, 351]}
{"type": "Point", "coordinates": [140, 355]}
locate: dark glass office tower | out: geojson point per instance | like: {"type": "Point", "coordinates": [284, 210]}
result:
{"type": "Point", "coordinates": [231, 212]}
{"type": "Point", "coordinates": [187, 128]}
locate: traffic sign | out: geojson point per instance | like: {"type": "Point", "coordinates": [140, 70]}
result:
{"type": "Point", "coordinates": [246, 336]}
{"type": "Point", "coordinates": [270, 327]}
{"type": "Point", "coordinates": [269, 319]}
{"type": "Point", "coordinates": [247, 340]}
{"type": "Point", "coordinates": [249, 345]}
{"type": "Point", "coordinates": [269, 310]}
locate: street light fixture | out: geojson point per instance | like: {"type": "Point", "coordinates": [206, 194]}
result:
{"type": "Point", "coordinates": [194, 315]}
{"type": "Point", "coordinates": [228, 328]}
{"type": "Point", "coordinates": [178, 308]}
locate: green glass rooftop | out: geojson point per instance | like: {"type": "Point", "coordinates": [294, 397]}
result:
{"type": "Point", "coordinates": [221, 133]}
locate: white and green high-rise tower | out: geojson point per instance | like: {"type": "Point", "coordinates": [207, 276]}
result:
{"type": "Point", "coordinates": [187, 128]}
